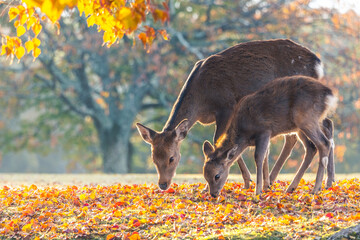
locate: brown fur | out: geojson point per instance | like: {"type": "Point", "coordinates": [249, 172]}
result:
{"type": "Point", "coordinates": [286, 105]}
{"type": "Point", "coordinates": [218, 82]}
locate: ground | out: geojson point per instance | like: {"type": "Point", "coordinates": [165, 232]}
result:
{"type": "Point", "coordinates": [99, 206]}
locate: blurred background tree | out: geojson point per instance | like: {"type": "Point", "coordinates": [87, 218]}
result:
{"type": "Point", "coordinates": [74, 108]}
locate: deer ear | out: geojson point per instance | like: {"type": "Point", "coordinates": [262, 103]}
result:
{"type": "Point", "coordinates": [231, 153]}
{"type": "Point", "coordinates": [207, 148]}
{"type": "Point", "coordinates": [182, 129]}
{"type": "Point", "coordinates": [146, 133]}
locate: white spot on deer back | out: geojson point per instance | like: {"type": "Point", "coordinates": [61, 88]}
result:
{"type": "Point", "coordinates": [319, 69]}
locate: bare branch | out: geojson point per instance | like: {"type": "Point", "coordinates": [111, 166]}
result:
{"type": "Point", "coordinates": [52, 85]}
{"type": "Point", "coordinates": [186, 44]}
{"type": "Point", "coordinates": [73, 107]}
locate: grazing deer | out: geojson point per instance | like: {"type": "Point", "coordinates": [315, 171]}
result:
{"type": "Point", "coordinates": [213, 88]}
{"type": "Point", "coordinates": [290, 104]}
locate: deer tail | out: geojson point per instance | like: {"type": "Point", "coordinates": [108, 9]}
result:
{"type": "Point", "coordinates": [331, 104]}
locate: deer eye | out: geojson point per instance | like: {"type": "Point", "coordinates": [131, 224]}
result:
{"type": "Point", "coordinates": [217, 176]}
{"type": "Point", "coordinates": [171, 159]}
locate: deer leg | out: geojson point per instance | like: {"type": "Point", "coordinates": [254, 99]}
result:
{"type": "Point", "coordinates": [289, 144]}
{"type": "Point", "coordinates": [310, 151]}
{"type": "Point", "coordinates": [244, 171]}
{"type": "Point", "coordinates": [323, 145]}
{"type": "Point", "coordinates": [266, 178]}
{"type": "Point", "coordinates": [261, 147]}
{"type": "Point", "coordinates": [328, 129]}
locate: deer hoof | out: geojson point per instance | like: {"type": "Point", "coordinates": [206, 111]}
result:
{"type": "Point", "coordinates": [290, 190]}
{"type": "Point", "coordinates": [315, 191]}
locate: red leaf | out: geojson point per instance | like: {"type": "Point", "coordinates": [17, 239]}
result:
{"type": "Point", "coordinates": [170, 190]}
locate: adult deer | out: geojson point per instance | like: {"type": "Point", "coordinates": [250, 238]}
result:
{"type": "Point", "coordinates": [290, 104]}
{"type": "Point", "coordinates": [213, 88]}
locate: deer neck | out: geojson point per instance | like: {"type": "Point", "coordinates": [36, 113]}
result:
{"type": "Point", "coordinates": [185, 106]}
{"type": "Point", "coordinates": [180, 111]}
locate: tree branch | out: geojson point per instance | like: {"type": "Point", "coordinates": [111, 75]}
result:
{"type": "Point", "coordinates": [186, 44]}
{"type": "Point", "coordinates": [52, 85]}
{"type": "Point", "coordinates": [72, 106]}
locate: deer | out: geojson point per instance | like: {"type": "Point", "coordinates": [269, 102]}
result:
{"type": "Point", "coordinates": [213, 88]}
{"type": "Point", "coordinates": [287, 105]}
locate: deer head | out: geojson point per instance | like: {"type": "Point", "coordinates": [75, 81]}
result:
{"type": "Point", "coordinates": [165, 150]}
{"type": "Point", "coordinates": [217, 165]}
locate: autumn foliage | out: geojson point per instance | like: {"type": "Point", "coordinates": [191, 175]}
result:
{"type": "Point", "coordinates": [145, 212]}
{"type": "Point", "coordinates": [113, 18]}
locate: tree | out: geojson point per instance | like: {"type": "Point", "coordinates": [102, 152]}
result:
{"type": "Point", "coordinates": [115, 18]}
{"type": "Point", "coordinates": [91, 87]}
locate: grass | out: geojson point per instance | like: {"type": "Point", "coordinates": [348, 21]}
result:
{"type": "Point", "coordinates": [15, 179]}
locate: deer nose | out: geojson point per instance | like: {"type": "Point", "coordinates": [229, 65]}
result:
{"type": "Point", "coordinates": [163, 186]}
{"type": "Point", "coordinates": [214, 195]}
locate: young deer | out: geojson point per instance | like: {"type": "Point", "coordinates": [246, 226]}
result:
{"type": "Point", "coordinates": [291, 104]}
{"type": "Point", "coordinates": [213, 88]}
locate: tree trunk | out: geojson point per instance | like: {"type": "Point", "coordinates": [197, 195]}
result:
{"type": "Point", "coordinates": [114, 145]}
{"type": "Point", "coordinates": [115, 157]}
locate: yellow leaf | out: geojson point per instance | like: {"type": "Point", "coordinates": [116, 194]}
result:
{"type": "Point", "coordinates": [106, 37]}
{"type": "Point", "coordinates": [13, 12]}
{"type": "Point", "coordinates": [20, 30]}
{"type": "Point", "coordinates": [16, 23]}
{"type": "Point", "coordinates": [23, 18]}
{"type": "Point", "coordinates": [83, 197]}
{"type": "Point", "coordinates": [36, 42]}
{"type": "Point", "coordinates": [36, 52]}
{"type": "Point", "coordinates": [37, 28]}
{"type": "Point", "coordinates": [180, 206]}
{"type": "Point", "coordinates": [30, 11]}
{"type": "Point", "coordinates": [92, 195]}
{"type": "Point", "coordinates": [32, 20]}
{"type": "Point", "coordinates": [21, 8]}
{"type": "Point", "coordinates": [26, 228]}
{"type": "Point", "coordinates": [20, 51]}
{"type": "Point", "coordinates": [81, 7]}
{"type": "Point", "coordinates": [16, 42]}
{"type": "Point", "coordinates": [117, 213]}
{"type": "Point", "coordinates": [124, 13]}
{"type": "Point", "coordinates": [3, 49]}
{"type": "Point", "coordinates": [91, 21]}
{"type": "Point", "coordinates": [109, 38]}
